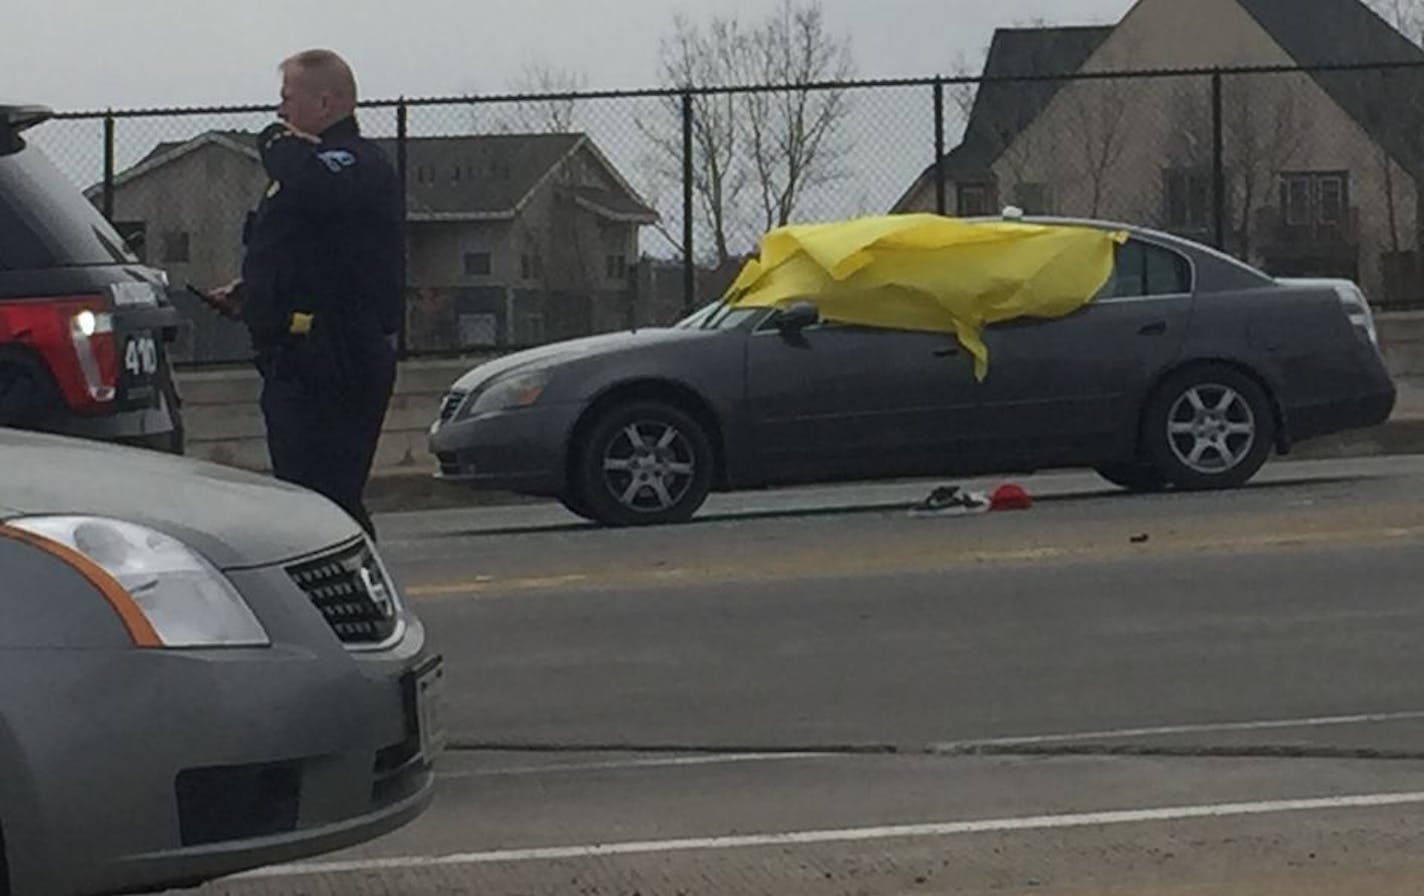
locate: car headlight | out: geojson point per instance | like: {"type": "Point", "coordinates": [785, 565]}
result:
{"type": "Point", "coordinates": [185, 599]}
{"type": "Point", "coordinates": [517, 390]}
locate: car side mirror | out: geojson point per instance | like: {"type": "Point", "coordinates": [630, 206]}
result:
{"type": "Point", "coordinates": [798, 316]}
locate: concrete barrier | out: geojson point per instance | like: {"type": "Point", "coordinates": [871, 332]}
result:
{"type": "Point", "coordinates": [224, 423]}
{"type": "Point", "coordinates": [1402, 335]}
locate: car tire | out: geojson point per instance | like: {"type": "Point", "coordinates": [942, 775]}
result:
{"type": "Point", "coordinates": [574, 504]}
{"type": "Point", "coordinates": [1135, 477]}
{"type": "Point", "coordinates": [24, 400]}
{"type": "Point", "coordinates": [1209, 427]}
{"type": "Point", "coordinates": [643, 464]}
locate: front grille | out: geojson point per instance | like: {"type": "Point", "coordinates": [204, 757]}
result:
{"type": "Point", "coordinates": [450, 406]}
{"type": "Point", "coordinates": [351, 591]}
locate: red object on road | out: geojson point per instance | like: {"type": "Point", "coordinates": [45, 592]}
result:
{"type": "Point", "coordinates": [1010, 497]}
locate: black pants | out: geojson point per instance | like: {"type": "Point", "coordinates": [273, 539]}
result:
{"type": "Point", "coordinates": [324, 406]}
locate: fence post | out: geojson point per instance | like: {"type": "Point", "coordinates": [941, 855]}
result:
{"type": "Point", "coordinates": [941, 202]}
{"type": "Point", "coordinates": [1218, 165]}
{"type": "Point", "coordinates": [689, 268]}
{"type": "Point", "coordinates": [108, 201]}
{"type": "Point", "coordinates": [403, 345]}
{"type": "Point", "coordinates": [635, 284]}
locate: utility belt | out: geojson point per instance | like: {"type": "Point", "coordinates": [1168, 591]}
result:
{"type": "Point", "coordinates": [322, 349]}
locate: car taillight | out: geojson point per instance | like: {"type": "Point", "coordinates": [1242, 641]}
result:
{"type": "Point", "coordinates": [92, 332]}
{"type": "Point", "coordinates": [74, 336]}
{"type": "Point", "coordinates": [1357, 308]}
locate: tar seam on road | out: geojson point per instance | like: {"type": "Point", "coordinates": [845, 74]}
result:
{"type": "Point", "coordinates": [850, 835]}
{"type": "Point", "coordinates": [627, 764]}
{"type": "Point", "coordinates": [1091, 743]}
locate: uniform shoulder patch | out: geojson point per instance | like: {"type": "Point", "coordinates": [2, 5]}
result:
{"type": "Point", "coordinates": [336, 160]}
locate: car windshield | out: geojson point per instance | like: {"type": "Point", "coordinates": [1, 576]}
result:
{"type": "Point", "coordinates": [46, 222]}
{"type": "Point", "coordinates": [717, 316]}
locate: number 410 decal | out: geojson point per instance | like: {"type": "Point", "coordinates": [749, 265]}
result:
{"type": "Point", "coordinates": [141, 356]}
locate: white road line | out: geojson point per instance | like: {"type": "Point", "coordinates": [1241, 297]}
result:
{"type": "Point", "coordinates": [1211, 728]}
{"type": "Point", "coordinates": [613, 765]}
{"type": "Point", "coordinates": [850, 835]}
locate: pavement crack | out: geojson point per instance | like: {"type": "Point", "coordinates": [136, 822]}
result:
{"type": "Point", "coordinates": [1194, 751]}
{"type": "Point", "coordinates": [951, 750]}
{"type": "Point", "coordinates": [667, 749]}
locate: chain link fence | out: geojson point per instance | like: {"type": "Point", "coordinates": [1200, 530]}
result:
{"type": "Point", "coordinates": [539, 218]}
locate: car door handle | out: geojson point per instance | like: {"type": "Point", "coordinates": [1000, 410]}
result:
{"type": "Point", "coordinates": [947, 352]}
{"type": "Point", "coordinates": [1154, 329]}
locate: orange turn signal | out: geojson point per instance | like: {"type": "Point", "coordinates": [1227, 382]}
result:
{"type": "Point", "coordinates": [137, 624]}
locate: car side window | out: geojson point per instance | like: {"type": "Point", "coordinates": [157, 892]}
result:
{"type": "Point", "coordinates": [1145, 270]}
{"type": "Point", "coordinates": [1167, 273]}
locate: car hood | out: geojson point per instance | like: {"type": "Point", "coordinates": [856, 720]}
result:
{"type": "Point", "coordinates": [235, 519]}
{"type": "Point", "coordinates": [574, 349]}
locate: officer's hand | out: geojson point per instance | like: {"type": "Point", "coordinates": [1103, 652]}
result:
{"type": "Point", "coordinates": [228, 299]}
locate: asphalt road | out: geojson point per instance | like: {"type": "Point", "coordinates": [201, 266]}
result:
{"type": "Point", "coordinates": [813, 692]}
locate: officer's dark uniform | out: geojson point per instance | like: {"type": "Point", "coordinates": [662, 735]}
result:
{"type": "Point", "coordinates": [322, 298]}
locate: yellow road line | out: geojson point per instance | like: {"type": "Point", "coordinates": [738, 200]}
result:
{"type": "Point", "coordinates": [822, 562]}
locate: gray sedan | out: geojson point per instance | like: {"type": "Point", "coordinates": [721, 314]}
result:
{"type": "Point", "coordinates": [201, 672]}
{"type": "Point", "coordinates": [1186, 371]}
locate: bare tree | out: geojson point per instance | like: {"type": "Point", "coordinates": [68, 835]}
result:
{"type": "Point", "coordinates": [1263, 129]}
{"type": "Point", "coordinates": [1263, 136]}
{"type": "Point", "coordinates": [558, 114]}
{"type": "Point", "coordinates": [1097, 139]}
{"type": "Point", "coordinates": [791, 134]}
{"type": "Point", "coordinates": [776, 145]}
{"type": "Point", "coordinates": [693, 56]}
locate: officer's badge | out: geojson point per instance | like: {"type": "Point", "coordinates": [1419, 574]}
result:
{"type": "Point", "coordinates": [336, 159]}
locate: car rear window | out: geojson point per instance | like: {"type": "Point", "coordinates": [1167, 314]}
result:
{"type": "Point", "coordinates": [1146, 270]}
{"type": "Point", "coordinates": [45, 221]}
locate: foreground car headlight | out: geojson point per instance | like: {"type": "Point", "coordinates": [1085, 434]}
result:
{"type": "Point", "coordinates": [517, 390]}
{"type": "Point", "coordinates": [185, 599]}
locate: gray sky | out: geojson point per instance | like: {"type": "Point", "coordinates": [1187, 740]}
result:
{"type": "Point", "coordinates": [85, 54]}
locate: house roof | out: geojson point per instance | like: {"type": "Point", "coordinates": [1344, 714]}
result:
{"type": "Point", "coordinates": [1003, 109]}
{"type": "Point", "coordinates": [458, 178]}
{"type": "Point", "coordinates": [1385, 103]}
{"type": "Point", "coordinates": [1312, 32]}
{"type": "Point", "coordinates": [616, 206]}
{"type": "Point", "coordinates": [488, 175]}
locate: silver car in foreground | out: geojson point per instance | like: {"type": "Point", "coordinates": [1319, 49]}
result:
{"type": "Point", "coordinates": [1186, 371]}
{"type": "Point", "coordinates": [201, 672]}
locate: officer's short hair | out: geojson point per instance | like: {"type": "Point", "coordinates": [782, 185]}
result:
{"type": "Point", "coordinates": [328, 69]}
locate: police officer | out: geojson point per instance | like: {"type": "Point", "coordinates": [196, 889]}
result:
{"type": "Point", "coordinates": [321, 286]}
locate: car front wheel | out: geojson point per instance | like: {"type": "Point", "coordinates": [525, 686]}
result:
{"type": "Point", "coordinates": [1209, 427]}
{"type": "Point", "coordinates": [643, 464]}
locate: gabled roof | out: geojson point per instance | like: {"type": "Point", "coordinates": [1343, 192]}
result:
{"type": "Point", "coordinates": [164, 153]}
{"type": "Point", "coordinates": [484, 177]}
{"type": "Point", "coordinates": [1003, 109]}
{"type": "Point", "coordinates": [1385, 103]}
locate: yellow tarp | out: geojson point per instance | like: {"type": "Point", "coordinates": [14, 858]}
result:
{"type": "Point", "coordinates": [930, 273]}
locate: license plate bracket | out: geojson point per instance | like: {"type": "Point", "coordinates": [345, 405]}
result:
{"type": "Point", "coordinates": [428, 686]}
